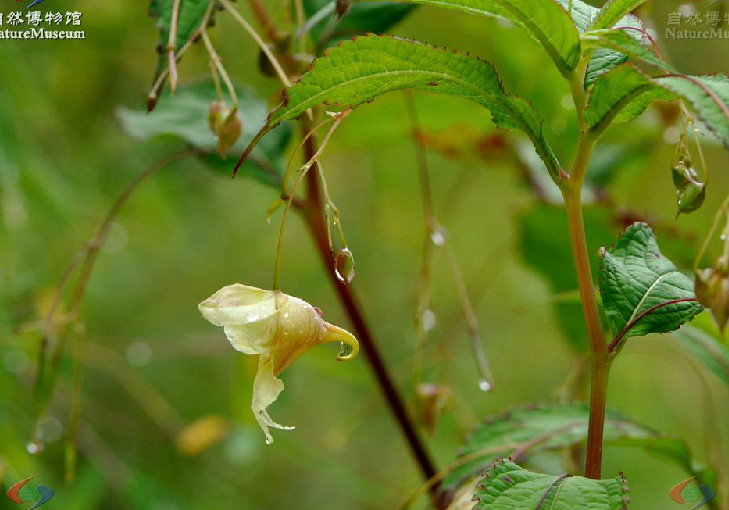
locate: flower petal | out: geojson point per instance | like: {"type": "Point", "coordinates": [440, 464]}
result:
{"type": "Point", "coordinates": [248, 315]}
{"type": "Point", "coordinates": [266, 389]}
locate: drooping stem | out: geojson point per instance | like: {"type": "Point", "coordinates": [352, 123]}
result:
{"type": "Point", "coordinates": [217, 65]}
{"type": "Point", "coordinates": [261, 44]}
{"type": "Point", "coordinates": [600, 360]}
{"type": "Point", "coordinates": [314, 218]}
{"type": "Point", "coordinates": [153, 95]}
{"type": "Point", "coordinates": [172, 45]}
{"type": "Point", "coordinates": [432, 237]}
{"type": "Point", "coordinates": [47, 375]}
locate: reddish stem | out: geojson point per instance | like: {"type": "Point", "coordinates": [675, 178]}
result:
{"type": "Point", "coordinates": [317, 226]}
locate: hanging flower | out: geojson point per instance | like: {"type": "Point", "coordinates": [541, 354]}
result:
{"type": "Point", "coordinates": [277, 327]}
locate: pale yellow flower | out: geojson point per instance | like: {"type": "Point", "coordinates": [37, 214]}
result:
{"type": "Point", "coordinates": [277, 327]}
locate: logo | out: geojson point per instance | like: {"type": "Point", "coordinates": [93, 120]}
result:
{"type": "Point", "coordinates": [21, 492]}
{"type": "Point", "coordinates": [687, 493]}
{"type": "Point", "coordinates": [33, 3]}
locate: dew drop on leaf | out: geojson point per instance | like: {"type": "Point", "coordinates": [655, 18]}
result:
{"type": "Point", "coordinates": [344, 266]}
{"type": "Point", "coordinates": [484, 385]}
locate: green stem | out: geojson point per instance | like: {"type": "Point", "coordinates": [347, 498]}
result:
{"type": "Point", "coordinates": [600, 360]}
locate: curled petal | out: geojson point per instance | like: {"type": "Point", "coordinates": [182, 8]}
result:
{"type": "Point", "coordinates": [266, 389]}
{"type": "Point", "coordinates": [336, 334]}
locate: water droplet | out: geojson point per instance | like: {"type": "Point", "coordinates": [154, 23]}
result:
{"type": "Point", "coordinates": [344, 266]}
{"type": "Point", "coordinates": [138, 354]}
{"type": "Point", "coordinates": [34, 447]}
{"type": "Point", "coordinates": [484, 385]}
{"type": "Point", "coordinates": [437, 238]}
{"type": "Point", "coordinates": [723, 237]}
{"type": "Point", "coordinates": [345, 350]}
{"type": "Point", "coordinates": [428, 320]}
{"type": "Point", "coordinates": [269, 440]}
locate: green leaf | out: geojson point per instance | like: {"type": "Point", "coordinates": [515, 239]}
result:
{"type": "Point", "coordinates": [708, 350]}
{"type": "Point", "coordinates": [184, 116]}
{"type": "Point", "coordinates": [362, 17]}
{"type": "Point", "coordinates": [708, 97]}
{"type": "Point", "coordinates": [529, 431]}
{"type": "Point", "coordinates": [506, 486]}
{"type": "Point", "coordinates": [612, 12]}
{"type": "Point", "coordinates": [637, 283]}
{"type": "Point", "coordinates": [603, 59]}
{"type": "Point", "coordinates": [358, 71]}
{"type": "Point", "coordinates": [582, 13]}
{"type": "Point", "coordinates": [624, 93]}
{"type": "Point", "coordinates": [546, 21]}
{"type": "Point", "coordinates": [191, 16]}
{"type": "Point", "coordinates": [626, 44]}
{"type": "Point", "coordinates": [375, 17]}
{"type": "Point", "coordinates": [620, 95]}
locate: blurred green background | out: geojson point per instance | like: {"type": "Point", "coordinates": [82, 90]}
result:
{"type": "Point", "coordinates": [153, 365]}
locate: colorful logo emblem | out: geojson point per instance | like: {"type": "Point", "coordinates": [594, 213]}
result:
{"type": "Point", "coordinates": [21, 493]}
{"type": "Point", "coordinates": [688, 493]}
{"type": "Point", "coordinates": [34, 2]}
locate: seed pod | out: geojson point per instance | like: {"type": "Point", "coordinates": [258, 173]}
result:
{"type": "Point", "coordinates": [712, 291]}
{"type": "Point", "coordinates": [432, 401]}
{"type": "Point", "coordinates": [691, 197]}
{"type": "Point", "coordinates": [226, 124]}
{"type": "Point", "coordinates": [681, 174]}
{"type": "Point", "coordinates": [229, 133]}
{"type": "Point", "coordinates": [690, 191]}
{"type": "Point", "coordinates": [214, 113]}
